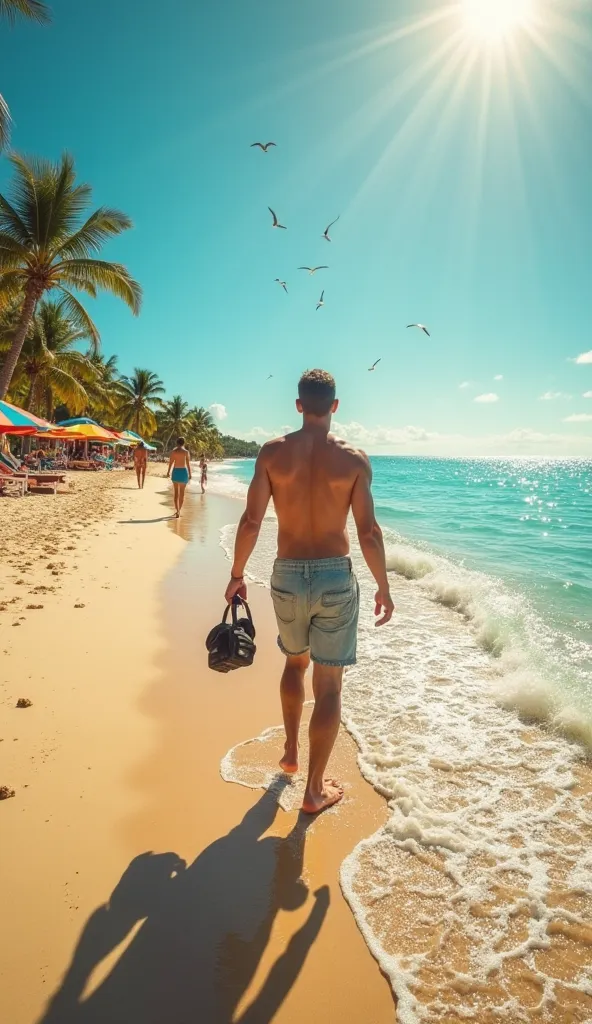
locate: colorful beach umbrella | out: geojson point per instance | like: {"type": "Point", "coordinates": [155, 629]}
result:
{"type": "Point", "coordinates": [87, 432]}
{"type": "Point", "coordinates": [77, 420]}
{"type": "Point", "coordinates": [133, 438]}
{"type": "Point", "coordinates": [17, 421]}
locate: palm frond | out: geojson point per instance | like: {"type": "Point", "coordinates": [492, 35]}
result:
{"type": "Point", "coordinates": [81, 319]}
{"type": "Point", "coordinates": [66, 388]}
{"type": "Point", "coordinates": [112, 277]}
{"type": "Point", "coordinates": [5, 122]}
{"type": "Point", "coordinates": [33, 9]}
{"type": "Point", "coordinates": [12, 223]}
{"type": "Point", "coordinates": [12, 252]}
{"type": "Point", "coordinates": [66, 202]}
{"type": "Point", "coordinates": [11, 285]}
{"type": "Point", "coordinates": [102, 225]}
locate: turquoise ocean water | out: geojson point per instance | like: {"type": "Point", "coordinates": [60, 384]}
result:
{"type": "Point", "coordinates": [491, 568]}
{"type": "Point", "coordinates": [524, 525]}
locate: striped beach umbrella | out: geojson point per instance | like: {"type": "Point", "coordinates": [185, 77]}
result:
{"type": "Point", "coordinates": [17, 421]}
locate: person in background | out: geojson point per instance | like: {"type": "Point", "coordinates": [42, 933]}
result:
{"type": "Point", "coordinates": [140, 462]}
{"type": "Point", "coordinates": [204, 474]}
{"type": "Point", "coordinates": [180, 472]}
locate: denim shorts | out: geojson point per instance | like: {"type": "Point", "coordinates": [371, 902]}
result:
{"type": "Point", "coordinates": [316, 605]}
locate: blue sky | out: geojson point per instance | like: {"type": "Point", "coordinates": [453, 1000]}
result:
{"type": "Point", "coordinates": [459, 167]}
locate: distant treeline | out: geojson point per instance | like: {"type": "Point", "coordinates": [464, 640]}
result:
{"type": "Point", "coordinates": [234, 448]}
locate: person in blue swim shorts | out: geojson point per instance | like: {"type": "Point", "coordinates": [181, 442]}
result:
{"type": "Point", "coordinates": [180, 473]}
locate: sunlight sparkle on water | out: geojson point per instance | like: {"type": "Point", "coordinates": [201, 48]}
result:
{"type": "Point", "coordinates": [494, 19]}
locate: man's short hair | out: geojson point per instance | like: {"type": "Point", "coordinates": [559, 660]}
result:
{"type": "Point", "coordinates": [180, 442]}
{"type": "Point", "coordinates": [316, 391]}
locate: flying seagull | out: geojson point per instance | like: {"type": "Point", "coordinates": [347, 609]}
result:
{"type": "Point", "coordinates": [270, 376]}
{"type": "Point", "coordinates": [263, 145]}
{"type": "Point", "coordinates": [326, 231]}
{"type": "Point", "coordinates": [313, 270]}
{"type": "Point", "coordinates": [321, 301]}
{"type": "Point", "coordinates": [276, 223]}
{"type": "Point", "coordinates": [282, 284]}
{"type": "Point", "coordinates": [374, 365]}
{"type": "Point", "coordinates": [422, 327]}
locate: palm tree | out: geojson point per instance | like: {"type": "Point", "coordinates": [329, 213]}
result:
{"type": "Point", "coordinates": [173, 420]}
{"type": "Point", "coordinates": [50, 370]}
{"type": "Point", "coordinates": [140, 398]}
{"type": "Point", "coordinates": [43, 246]}
{"type": "Point", "coordinates": [201, 418]}
{"type": "Point", "coordinates": [36, 11]}
{"type": "Point", "coordinates": [105, 392]}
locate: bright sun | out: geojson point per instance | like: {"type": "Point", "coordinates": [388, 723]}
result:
{"type": "Point", "coordinates": [494, 19]}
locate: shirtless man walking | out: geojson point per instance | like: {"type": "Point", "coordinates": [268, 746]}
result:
{"type": "Point", "coordinates": [140, 462]}
{"type": "Point", "coordinates": [314, 479]}
{"type": "Point", "coordinates": [180, 472]}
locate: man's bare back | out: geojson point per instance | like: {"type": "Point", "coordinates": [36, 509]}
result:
{"type": "Point", "coordinates": [312, 477]}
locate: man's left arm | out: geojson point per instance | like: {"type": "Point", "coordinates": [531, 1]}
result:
{"type": "Point", "coordinates": [249, 527]}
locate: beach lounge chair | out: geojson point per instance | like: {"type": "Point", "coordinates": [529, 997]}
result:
{"type": "Point", "coordinates": [11, 481]}
{"type": "Point", "coordinates": [32, 481]}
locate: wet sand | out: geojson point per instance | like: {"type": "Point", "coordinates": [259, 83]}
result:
{"type": "Point", "coordinates": [138, 885]}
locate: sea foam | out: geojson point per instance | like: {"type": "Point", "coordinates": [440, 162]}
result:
{"type": "Point", "coordinates": [476, 896]}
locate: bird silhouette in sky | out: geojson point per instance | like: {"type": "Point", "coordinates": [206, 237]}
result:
{"type": "Point", "coordinates": [321, 301]}
{"type": "Point", "coordinates": [326, 231]}
{"type": "Point", "coordinates": [264, 146]}
{"type": "Point", "coordinates": [276, 223]}
{"type": "Point", "coordinates": [313, 270]}
{"type": "Point", "coordinates": [374, 365]}
{"type": "Point", "coordinates": [421, 327]}
{"type": "Point", "coordinates": [270, 376]}
{"type": "Point", "coordinates": [282, 284]}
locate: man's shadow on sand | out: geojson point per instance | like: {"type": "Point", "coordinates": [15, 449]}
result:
{"type": "Point", "coordinates": [204, 930]}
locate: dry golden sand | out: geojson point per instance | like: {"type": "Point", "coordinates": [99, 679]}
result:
{"type": "Point", "coordinates": [119, 755]}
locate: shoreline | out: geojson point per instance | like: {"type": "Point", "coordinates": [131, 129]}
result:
{"type": "Point", "coordinates": [125, 758]}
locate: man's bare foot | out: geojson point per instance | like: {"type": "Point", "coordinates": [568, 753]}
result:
{"type": "Point", "coordinates": [289, 762]}
{"type": "Point", "coordinates": [331, 794]}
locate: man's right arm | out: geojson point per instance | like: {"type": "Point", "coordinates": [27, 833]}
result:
{"type": "Point", "coordinates": [370, 537]}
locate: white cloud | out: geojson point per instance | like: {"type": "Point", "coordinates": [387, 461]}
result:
{"type": "Point", "coordinates": [587, 394]}
{"type": "Point", "coordinates": [260, 434]}
{"type": "Point", "coordinates": [257, 434]}
{"type": "Point", "coordinates": [418, 441]}
{"type": "Point", "coordinates": [499, 376]}
{"type": "Point", "coordinates": [487, 399]}
{"type": "Point", "coordinates": [579, 417]}
{"type": "Point", "coordinates": [551, 396]}
{"type": "Point", "coordinates": [584, 357]}
{"type": "Point", "coordinates": [218, 411]}
{"type": "Point", "coordinates": [358, 434]}
{"type": "Point", "coordinates": [464, 384]}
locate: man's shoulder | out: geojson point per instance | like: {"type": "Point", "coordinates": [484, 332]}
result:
{"type": "Point", "coordinates": [270, 447]}
{"type": "Point", "coordinates": [351, 452]}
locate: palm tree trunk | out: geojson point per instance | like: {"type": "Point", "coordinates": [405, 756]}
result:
{"type": "Point", "coordinates": [30, 397]}
{"type": "Point", "coordinates": [11, 360]}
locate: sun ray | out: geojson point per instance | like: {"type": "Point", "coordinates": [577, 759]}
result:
{"type": "Point", "coordinates": [567, 73]}
{"type": "Point", "coordinates": [415, 120]}
{"type": "Point", "coordinates": [324, 69]}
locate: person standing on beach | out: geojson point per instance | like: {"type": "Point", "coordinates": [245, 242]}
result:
{"type": "Point", "coordinates": [140, 463]}
{"type": "Point", "coordinates": [204, 474]}
{"type": "Point", "coordinates": [314, 479]}
{"type": "Point", "coordinates": [180, 472]}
